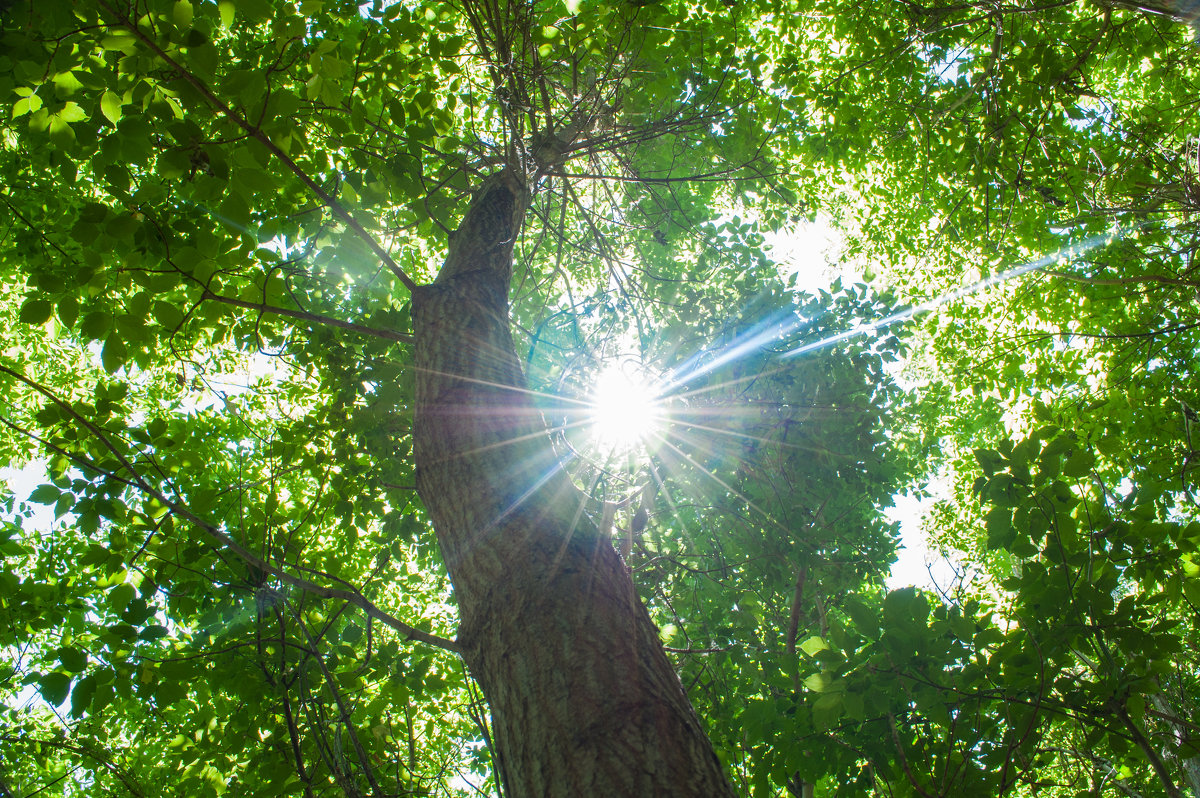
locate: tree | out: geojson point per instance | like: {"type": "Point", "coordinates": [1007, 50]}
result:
{"type": "Point", "coordinates": [322, 513]}
{"type": "Point", "coordinates": [213, 177]}
{"type": "Point", "coordinates": [1058, 406]}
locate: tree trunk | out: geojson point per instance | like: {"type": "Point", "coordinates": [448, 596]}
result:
{"type": "Point", "coordinates": [1190, 765]}
{"type": "Point", "coordinates": [583, 699]}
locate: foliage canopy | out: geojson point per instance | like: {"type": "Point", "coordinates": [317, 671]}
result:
{"type": "Point", "coordinates": [223, 579]}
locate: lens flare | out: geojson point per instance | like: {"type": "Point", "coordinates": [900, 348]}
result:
{"type": "Point", "coordinates": [624, 409]}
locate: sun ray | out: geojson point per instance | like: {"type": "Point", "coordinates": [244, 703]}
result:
{"type": "Point", "coordinates": [742, 435]}
{"type": "Point", "coordinates": [771, 329]}
{"type": "Point", "coordinates": [554, 397]}
{"type": "Point", "coordinates": [672, 504]}
{"type": "Point", "coordinates": [555, 467]}
{"type": "Point", "coordinates": [614, 431]}
{"type": "Point", "coordinates": [1062, 255]}
{"type": "Point", "coordinates": [769, 518]}
{"type": "Point", "coordinates": [777, 328]}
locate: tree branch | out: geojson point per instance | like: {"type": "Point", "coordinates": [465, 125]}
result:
{"type": "Point", "coordinates": [304, 315]}
{"type": "Point", "coordinates": [257, 133]}
{"type": "Point", "coordinates": [1160, 767]}
{"type": "Point", "coordinates": [138, 482]}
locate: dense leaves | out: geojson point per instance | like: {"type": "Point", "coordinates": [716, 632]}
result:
{"type": "Point", "coordinates": [216, 575]}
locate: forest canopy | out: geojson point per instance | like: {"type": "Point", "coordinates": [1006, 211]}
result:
{"type": "Point", "coordinates": [409, 398]}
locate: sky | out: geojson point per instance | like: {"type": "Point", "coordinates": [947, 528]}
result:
{"type": "Point", "coordinates": [918, 565]}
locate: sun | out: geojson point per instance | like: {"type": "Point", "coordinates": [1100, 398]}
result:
{"type": "Point", "coordinates": [625, 411]}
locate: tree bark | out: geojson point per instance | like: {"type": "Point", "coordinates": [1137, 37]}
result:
{"type": "Point", "coordinates": [1190, 765]}
{"type": "Point", "coordinates": [583, 698]}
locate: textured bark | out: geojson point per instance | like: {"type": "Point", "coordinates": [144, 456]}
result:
{"type": "Point", "coordinates": [583, 699]}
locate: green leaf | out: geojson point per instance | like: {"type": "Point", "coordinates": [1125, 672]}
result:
{"type": "Point", "coordinates": [73, 659]}
{"type": "Point", "coordinates": [182, 14]}
{"type": "Point", "coordinates": [154, 632]}
{"type": "Point", "coordinates": [854, 706]}
{"type": "Point", "coordinates": [865, 619]}
{"type": "Point", "coordinates": [45, 494]}
{"type": "Point", "coordinates": [120, 596]}
{"type": "Point", "coordinates": [812, 645]}
{"type": "Point", "coordinates": [156, 428]}
{"type": "Point", "coordinates": [26, 105]}
{"type": "Point", "coordinates": [119, 39]}
{"type": "Point", "coordinates": [82, 695]}
{"type": "Point", "coordinates": [63, 505]}
{"type": "Point", "coordinates": [66, 84]}
{"type": "Point", "coordinates": [104, 695]}
{"type": "Point", "coordinates": [95, 325]}
{"type": "Point", "coordinates": [828, 702]}
{"type": "Point", "coordinates": [72, 112]}
{"type": "Point", "coordinates": [35, 311]}
{"type": "Point", "coordinates": [61, 133]}
{"type": "Point", "coordinates": [989, 460]}
{"type": "Point", "coordinates": [167, 692]}
{"type": "Point", "coordinates": [68, 310]}
{"type": "Point", "coordinates": [1079, 464]}
{"type": "Point", "coordinates": [1001, 532]}
{"type": "Point", "coordinates": [54, 687]}
{"type": "Point", "coordinates": [110, 106]}
{"type": "Point", "coordinates": [817, 682]}
{"type": "Point", "coordinates": [114, 354]}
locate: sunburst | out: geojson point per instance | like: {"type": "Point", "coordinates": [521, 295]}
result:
{"type": "Point", "coordinates": [625, 411]}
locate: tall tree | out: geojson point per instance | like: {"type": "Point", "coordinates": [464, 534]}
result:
{"type": "Point", "coordinates": [195, 139]}
{"type": "Point", "coordinates": [323, 511]}
{"type": "Point", "coordinates": [583, 698]}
